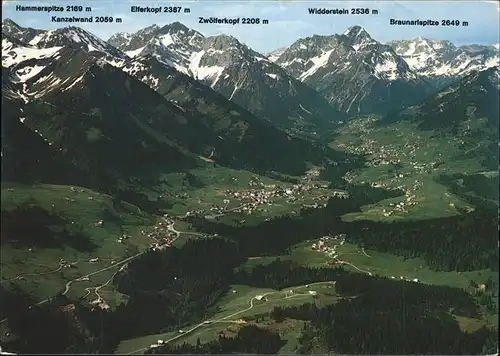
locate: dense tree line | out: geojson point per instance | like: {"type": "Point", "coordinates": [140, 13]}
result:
{"type": "Point", "coordinates": [249, 340]}
{"type": "Point", "coordinates": [351, 328]}
{"type": "Point", "coordinates": [165, 289]}
{"type": "Point", "coordinates": [460, 243]}
{"type": "Point", "coordinates": [284, 274]}
{"type": "Point", "coordinates": [389, 317]}
{"type": "Point", "coordinates": [279, 233]}
{"type": "Point", "coordinates": [171, 288]}
{"type": "Point", "coordinates": [31, 225]}
{"type": "Point", "coordinates": [477, 189]}
{"type": "Point", "coordinates": [58, 326]}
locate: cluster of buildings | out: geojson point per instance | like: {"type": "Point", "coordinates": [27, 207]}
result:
{"type": "Point", "coordinates": [261, 194]}
{"type": "Point", "coordinates": [323, 246]}
{"type": "Point", "coordinates": [162, 234]}
{"type": "Point", "coordinates": [402, 278]}
{"type": "Point", "coordinates": [65, 264]}
{"type": "Point", "coordinates": [99, 303]}
{"type": "Point", "coordinates": [387, 154]}
{"type": "Point", "coordinates": [158, 344]}
{"type": "Point", "coordinates": [402, 206]}
{"type": "Point", "coordinates": [122, 238]}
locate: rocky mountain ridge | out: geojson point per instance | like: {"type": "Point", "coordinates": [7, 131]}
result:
{"type": "Point", "coordinates": [442, 62]}
{"type": "Point", "coordinates": [239, 73]}
{"type": "Point", "coordinates": [354, 72]}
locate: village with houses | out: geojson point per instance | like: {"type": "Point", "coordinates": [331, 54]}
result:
{"type": "Point", "coordinates": [393, 166]}
{"type": "Point", "coordinates": [260, 197]}
{"type": "Point", "coordinates": [323, 246]}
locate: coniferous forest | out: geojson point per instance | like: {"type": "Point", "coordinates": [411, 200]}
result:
{"type": "Point", "coordinates": [167, 291]}
{"type": "Point", "coordinates": [168, 191]}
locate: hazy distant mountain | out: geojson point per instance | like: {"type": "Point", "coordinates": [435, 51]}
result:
{"type": "Point", "coordinates": [441, 61]}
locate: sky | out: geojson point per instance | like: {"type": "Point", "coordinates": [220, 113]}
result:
{"type": "Point", "coordinates": [288, 20]}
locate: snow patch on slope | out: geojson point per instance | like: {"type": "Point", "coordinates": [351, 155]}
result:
{"type": "Point", "coordinates": [204, 73]}
{"type": "Point", "coordinates": [28, 72]}
{"type": "Point", "coordinates": [318, 62]}
{"type": "Point", "coordinates": [12, 55]}
{"type": "Point", "coordinates": [388, 69]}
{"type": "Point", "coordinates": [135, 52]}
{"type": "Point", "coordinates": [274, 55]}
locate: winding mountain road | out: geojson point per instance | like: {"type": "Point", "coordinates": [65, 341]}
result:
{"type": "Point", "coordinates": [33, 274]}
{"type": "Point", "coordinates": [68, 284]}
{"type": "Point", "coordinates": [224, 319]}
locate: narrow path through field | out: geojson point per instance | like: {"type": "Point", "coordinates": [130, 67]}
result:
{"type": "Point", "coordinates": [364, 252]}
{"type": "Point", "coordinates": [96, 289]}
{"type": "Point", "coordinates": [359, 269]}
{"type": "Point", "coordinates": [224, 319]}
{"type": "Point", "coordinates": [171, 228]}
{"type": "Point", "coordinates": [33, 274]}
{"type": "Point", "coordinates": [68, 284]}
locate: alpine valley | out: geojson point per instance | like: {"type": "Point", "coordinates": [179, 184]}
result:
{"type": "Point", "coordinates": [169, 192]}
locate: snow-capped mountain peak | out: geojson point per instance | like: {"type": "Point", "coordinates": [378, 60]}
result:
{"type": "Point", "coordinates": [176, 27]}
{"type": "Point", "coordinates": [333, 64]}
{"type": "Point", "coordinates": [441, 61]}
{"type": "Point", "coordinates": [172, 43]}
{"type": "Point", "coordinates": [71, 36]}
{"type": "Point", "coordinates": [22, 34]}
{"type": "Point", "coordinates": [358, 38]}
{"type": "Point", "coordinates": [123, 40]}
{"type": "Point", "coordinates": [356, 33]}
{"type": "Point", "coordinates": [274, 55]}
{"type": "Point", "coordinates": [230, 68]}
{"type": "Point", "coordinates": [15, 52]}
{"type": "Point", "coordinates": [77, 37]}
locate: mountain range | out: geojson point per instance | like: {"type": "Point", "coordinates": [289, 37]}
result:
{"type": "Point", "coordinates": [240, 74]}
{"type": "Point", "coordinates": [171, 97]}
{"type": "Point", "coordinates": [467, 111]}
{"type": "Point", "coordinates": [354, 72]}
{"type": "Point", "coordinates": [106, 145]}
{"type": "Point", "coordinates": [111, 129]}
{"type": "Point", "coordinates": [441, 62]}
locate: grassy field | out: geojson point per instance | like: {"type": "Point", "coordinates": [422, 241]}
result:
{"type": "Point", "coordinates": [71, 214]}
{"type": "Point", "coordinates": [207, 187]}
{"type": "Point", "coordinates": [423, 157]}
{"type": "Point", "coordinates": [235, 306]}
{"type": "Point", "coordinates": [378, 263]}
{"type": "Point", "coordinates": [77, 210]}
{"type": "Point", "coordinates": [388, 265]}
